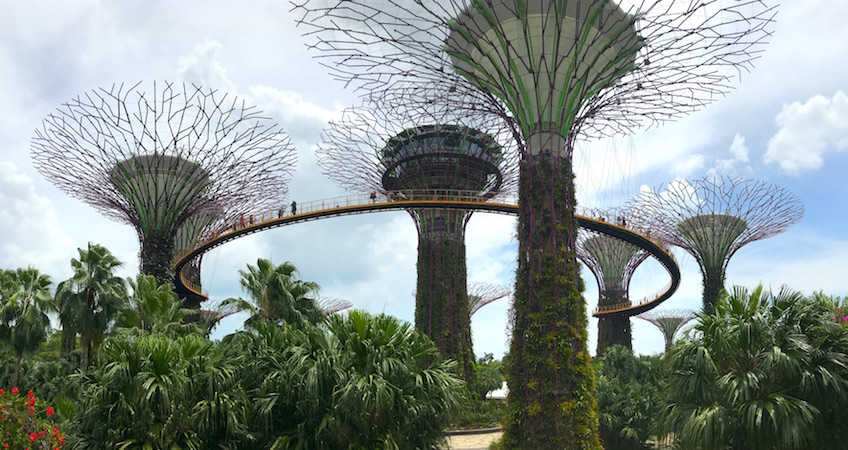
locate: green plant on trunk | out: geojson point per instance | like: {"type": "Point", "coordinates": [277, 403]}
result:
{"type": "Point", "coordinates": [154, 308]}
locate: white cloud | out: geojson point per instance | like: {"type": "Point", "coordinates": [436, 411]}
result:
{"type": "Point", "coordinates": [737, 163]}
{"type": "Point", "coordinates": [808, 131]}
{"type": "Point", "coordinates": [29, 225]}
{"type": "Point", "coordinates": [203, 67]}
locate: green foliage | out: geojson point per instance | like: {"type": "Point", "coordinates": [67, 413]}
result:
{"type": "Point", "coordinates": [154, 391]}
{"type": "Point", "coordinates": [26, 422]}
{"type": "Point", "coordinates": [24, 305]}
{"type": "Point", "coordinates": [89, 301]}
{"type": "Point", "coordinates": [154, 308]}
{"type": "Point", "coordinates": [278, 295]}
{"type": "Point", "coordinates": [441, 301]}
{"type": "Point", "coordinates": [360, 382]}
{"type": "Point", "coordinates": [763, 371]}
{"type": "Point", "coordinates": [489, 373]}
{"type": "Point", "coordinates": [629, 395]}
{"type": "Point", "coordinates": [551, 402]}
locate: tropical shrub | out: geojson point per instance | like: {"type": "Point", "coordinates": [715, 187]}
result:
{"type": "Point", "coordinates": [153, 391]}
{"type": "Point", "coordinates": [762, 371]}
{"type": "Point", "coordinates": [360, 382]}
{"type": "Point", "coordinates": [629, 395]}
{"type": "Point", "coordinates": [25, 422]}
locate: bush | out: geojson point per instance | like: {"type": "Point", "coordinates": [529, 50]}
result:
{"type": "Point", "coordinates": [25, 423]}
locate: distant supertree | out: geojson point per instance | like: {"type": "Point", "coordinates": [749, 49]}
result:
{"type": "Point", "coordinates": [669, 321]}
{"type": "Point", "coordinates": [613, 262]}
{"type": "Point", "coordinates": [426, 151]}
{"type": "Point", "coordinates": [159, 156]}
{"type": "Point", "coordinates": [562, 71]}
{"type": "Point", "coordinates": [713, 217]}
{"type": "Point", "coordinates": [481, 294]}
{"type": "Point", "coordinates": [332, 304]}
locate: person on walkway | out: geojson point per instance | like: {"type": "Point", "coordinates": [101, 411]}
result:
{"type": "Point", "coordinates": [294, 207]}
{"type": "Point", "coordinates": [241, 222]}
{"type": "Point", "coordinates": [373, 196]}
{"type": "Point", "coordinates": [282, 211]}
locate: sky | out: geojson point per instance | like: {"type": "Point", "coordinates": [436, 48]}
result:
{"type": "Point", "coordinates": [786, 123]}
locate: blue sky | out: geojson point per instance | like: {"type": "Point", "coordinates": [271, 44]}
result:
{"type": "Point", "coordinates": [787, 123]}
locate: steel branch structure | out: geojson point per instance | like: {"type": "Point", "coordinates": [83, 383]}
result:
{"type": "Point", "coordinates": [168, 159]}
{"type": "Point", "coordinates": [394, 153]}
{"type": "Point", "coordinates": [561, 71]}
{"type": "Point", "coordinates": [481, 294]}
{"type": "Point", "coordinates": [613, 262]}
{"type": "Point", "coordinates": [332, 305]}
{"type": "Point", "coordinates": [669, 321]}
{"type": "Point", "coordinates": [712, 218]}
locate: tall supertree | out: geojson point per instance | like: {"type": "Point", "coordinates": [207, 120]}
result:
{"type": "Point", "coordinates": [481, 294]}
{"type": "Point", "coordinates": [713, 217]}
{"type": "Point", "coordinates": [669, 321]}
{"type": "Point", "coordinates": [161, 156]}
{"type": "Point", "coordinates": [427, 152]}
{"type": "Point", "coordinates": [613, 262]}
{"type": "Point", "coordinates": [562, 71]}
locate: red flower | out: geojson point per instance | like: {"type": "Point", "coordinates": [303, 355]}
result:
{"type": "Point", "coordinates": [15, 390]}
{"type": "Point", "coordinates": [39, 434]}
{"type": "Point", "coordinates": [32, 437]}
{"type": "Point", "coordinates": [50, 411]}
{"type": "Point", "coordinates": [31, 411]}
{"type": "Point", "coordinates": [30, 394]}
{"type": "Point", "coordinates": [1, 393]}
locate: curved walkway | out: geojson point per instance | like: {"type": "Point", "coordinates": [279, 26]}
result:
{"type": "Point", "coordinates": [360, 204]}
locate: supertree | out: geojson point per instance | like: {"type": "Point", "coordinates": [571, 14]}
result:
{"type": "Point", "coordinates": [163, 158]}
{"type": "Point", "coordinates": [713, 217]}
{"type": "Point", "coordinates": [562, 70]}
{"type": "Point", "coordinates": [481, 294]}
{"type": "Point", "coordinates": [669, 321]}
{"type": "Point", "coordinates": [426, 151]}
{"type": "Point", "coordinates": [332, 304]}
{"type": "Point", "coordinates": [613, 262]}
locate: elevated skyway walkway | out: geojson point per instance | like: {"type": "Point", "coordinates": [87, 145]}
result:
{"type": "Point", "coordinates": [360, 204]}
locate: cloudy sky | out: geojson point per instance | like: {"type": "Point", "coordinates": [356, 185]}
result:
{"type": "Point", "coordinates": [787, 123]}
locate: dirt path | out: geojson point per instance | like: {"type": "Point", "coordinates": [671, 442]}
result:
{"type": "Point", "coordinates": [473, 441]}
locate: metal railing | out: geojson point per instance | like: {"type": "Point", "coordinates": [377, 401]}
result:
{"type": "Point", "coordinates": [352, 203]}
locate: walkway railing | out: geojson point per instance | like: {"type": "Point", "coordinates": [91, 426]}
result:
{"type": "Point", "coordinates": [362, 203]}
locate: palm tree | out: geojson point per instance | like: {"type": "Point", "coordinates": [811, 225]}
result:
{"type": "Point", "coordinates": [154, 308]}
{"type": "Point", "coordinates": [24, 324]}
{"type": "Point", "coordinates": [763, 371]}
{"type": "Point", "coordinates": [278, 295]}
{"type": "Point", "coordinates": [91, 298]}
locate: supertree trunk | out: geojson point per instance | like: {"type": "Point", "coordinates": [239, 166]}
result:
{"type": "Point", "coordinates": [713, 285]}
{"type": "Point", "coordinates": [613, 330]}
{"type": "Point", "coordinates": [157, 253]}
{"type": "Point", "coordinates": [551, 401]}
{"type": "Point", "coordinates": [441, 304]}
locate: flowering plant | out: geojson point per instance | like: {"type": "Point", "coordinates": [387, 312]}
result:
{"type": "Point", "coordinates": [26, 425]}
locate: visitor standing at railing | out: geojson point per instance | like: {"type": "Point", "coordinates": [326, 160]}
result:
{"type": "Point", "coordinates": [294, 207]}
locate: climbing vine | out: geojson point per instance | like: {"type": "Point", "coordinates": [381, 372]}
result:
{"type": "Point", "coordinates": [441, 303]}
{"type": "Point", "coordinates": [551, 402]}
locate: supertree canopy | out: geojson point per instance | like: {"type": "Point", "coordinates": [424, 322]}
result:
{"type": "Point", "coordinates": [669, 321]}
{"type": "Point", "coordinates": [426, 151]}
{"type": "Point", "coordinates": [613, 262]}
{"type": "Point", "coordinates": [561, 70]}
{"type": "Point", "coordinates": [161, 155]}
{"type": "Point", "coordinates": [332, 304]}
{"type": "Point", "coordinates": [711, 218]}
{"type": "Point", "coordinates": [481, 294]}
